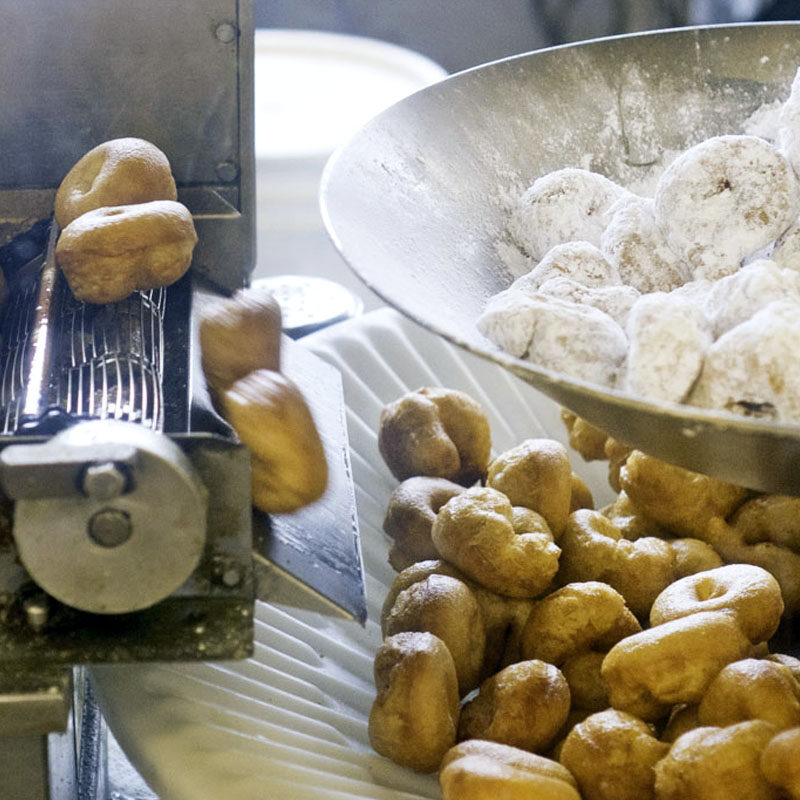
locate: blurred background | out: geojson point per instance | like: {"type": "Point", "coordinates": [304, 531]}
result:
{"type": "Point", "coordinates": [324, 67]}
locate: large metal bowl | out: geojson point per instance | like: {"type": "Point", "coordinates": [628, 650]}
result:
{"type": "Point", "coordinates": [416, 201]}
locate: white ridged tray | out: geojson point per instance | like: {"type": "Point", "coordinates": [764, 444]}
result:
{"type": "Point", "coordinates": [291, 722]}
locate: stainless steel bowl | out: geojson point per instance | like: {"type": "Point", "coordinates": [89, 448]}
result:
{"type": "Point", "coordinates": [417, 200]}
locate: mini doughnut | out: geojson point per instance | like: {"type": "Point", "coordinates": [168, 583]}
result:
{"type": "Point", "coordinates": [792, 663]}
{"type": "Point", "coordinates": [612, 755]}
{"type": "Point", "coordinates": [579, 261]}
{"type": "Point", "coordinates": [752, 688]}
{"type": "Point", "coordinates": [736, 298]}
{"type": "Point", "coordinates": [238, 335]}
{"type": "Point", "coordinates": [593, 549]}
{"type": "Point", "coordinates": [584, 437]}
{"type": "Point", "coordinates": [753, 370]}
{"type": "Point", "coordinates": [617, 454]}
{"type": "Point", "coordinates": [616, 301]}
{"type": "Point", "coordinates": [414, 717]}
{"type": "Point", "coordinates": [681, 500]}
{"type": "Point", "coordinates": [682, 719]}
{"type": "Point", "coordinates": [108, 253]}
{"type": "Point", "coordinates": [412, 509]}
{"type": "Point", "coordinates": [508, 550]}
{"type": "Point", "coordinates": [723, 199]}
{"type": "Point", "coordinates": [115, 173]}
{"type": "Point", "coordinates": [636, 246]}
{"type": "Point", "coordinates": [580, 495]}
{"type": "Point", "coordinates": [573, 628]}
{"type": "Point", "coordinates": [477, 769]}
{"type": "Point", "coordinates": [780, 764]}
{"type": "Point", "coordinates": [716, 764]}
{"type": "Point", "coordinates": [691, 556]}
{"type": "Point", "coordinates": [523, 705]}
{"type": "Point", "coordinates": [632, 524]}
{"type": "Point", "coordinates": [668, 338]}
{"type": "Point", "coordinates": [288, 465]}
{"type": "Point", "coordinates": [672, 663]}
{"type": "Point", "coordinates": [577, 340]}
{"type": "Point", "coordinates": [445, 607]}
{"type": "Point", "coordinates": [535, 474]}
{"type": "Point", "coordinates": [565, 205]}
{"type": "Point", "coordinates": [749, 593]}
{"type": "Point", "coordinates": [436, 432]}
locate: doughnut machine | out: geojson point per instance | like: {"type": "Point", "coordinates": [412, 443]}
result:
{"type": "Point", "coordinates": [126, 529]}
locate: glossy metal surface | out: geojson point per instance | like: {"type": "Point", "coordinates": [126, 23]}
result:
{"type": "Point", "coordinates": [417, 201]}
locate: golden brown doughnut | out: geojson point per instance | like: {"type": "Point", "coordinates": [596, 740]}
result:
{"type": "Point", "coordinates": [477, 770]}
{"type": "Point", "coordinates": [586, 687]}
{"type": "Point", "coordinates": [630, 522]}
{"type": "Point", "coordinates": [536, 474]}
{"type": "Point", "coordinates": [437, 432]}
{"type": "Point", "coordinates": [617, 454]}
{"type": "Point", "coordinates": [788, 661]}
{"type": "Point", "coordinates": [524, 705]}
{"type": "Point", "coordinates": [580, 495]}
{"type": "Point", "coordinates": [690, 556]}
{"type": "Point", "coordinates": [115, 173]}
{"type": "Point", "coordinates": [672, 663]}
{"type": "Point", "coordinates": [680, 500]}
{"type": "Point", "coordinates": [108, 253]}
{"type": "Point", "coordinates": [780, 764]}
{"type": "Point", "coordinates": [612, 754]}
{"type": "Point", "coordinates": [270, 415]}
{"type": "Point", "coordinates": [682, 718]}
{"type": "Point", "coordinates": [508, 550]}
{"type": "Point", "coordinates": [412, 509]}
{"type": "Point", "coordinates": [584, 437]}
{"type": "Point", "coordinates": [752, 688]}
{"type": "Point", "coordinates": [747, 592]}
{"type": "Point", "coordinates": [238, 335]}
{"type": "Point", "coordinates": [445, 607]}
{"type": "Point", "coordinates": [414, 717]}
{"type": "Point", "coordinates": [716, 764]}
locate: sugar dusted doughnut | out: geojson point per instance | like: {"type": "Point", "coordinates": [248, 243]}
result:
{"type": "Point", "coordinates": [437, 432]}
{"type": "Point", "coordinates": [506, 549]}
{"type": "Point", "coordinates": [580, 261]}
{"type": "Point", "coordinates": [479, 769]}
{"type": "Point", "coordinates": [668, 338]}
{"type": "Point", "coordinates": [724, 199]}
{"type": "Point", "coordinates": [523, 705]}
{"type": "Point", "coordinates": [414, 717]}
{"type": "Point", "coordinates": [616, 301]}
{"type": "Point", "coordinates": [612, 755]}
{"type": "Point", "coordinates": [108, 253]}
{"type": "Point", "coordinates": [636, 246]}
{"type": "Point", "coordinates": [753, 370]}
{"type": "Point", "coordinates": [562, 206]}
{"type": "Point", "coordinates": [749, 593]}
{"type": "Point", "coordinates": [117, 172]}
{"type": "Point", "coordinates": [780, 764]}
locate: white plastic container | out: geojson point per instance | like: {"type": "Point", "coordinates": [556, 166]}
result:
{"type": "Point", "coordinates": [313, 90]}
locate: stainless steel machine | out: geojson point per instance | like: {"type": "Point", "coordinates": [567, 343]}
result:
{"type": "Point", "coordinates": [126, 528]}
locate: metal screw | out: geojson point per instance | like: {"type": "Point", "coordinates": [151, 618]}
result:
{"type": "Point", "coordinates": [225, 32]}
{"type": "Point", "coordinates": [110, 527]}
{"type": "Point", "coordinates": [104, 481]}
{"type": "Point", "coordinates": [36, 612]}
{"type": "Point", "coordinates": [227, 171]}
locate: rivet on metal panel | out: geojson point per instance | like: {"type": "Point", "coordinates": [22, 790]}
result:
{"type": "Point", "coordinates": [225, 32]}
{"type": "Point", "coordinates": [110, 527]}
{"type": "Point", "coordinates": [227, 171]}
{"type": "Point", "coordinates": [104, 481]}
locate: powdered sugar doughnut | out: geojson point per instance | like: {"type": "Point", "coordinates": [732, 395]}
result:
{"type": "Point", "coordinates": [576, 340]}
{"type": "Point", "coordinates": [566, 205]}
{"type": "Point", "coordinates": [737, 297]}
{"type": "Point", "coordinates": [723, 200]}
{"type": "Point", "coordinates": [581, 261]}
{"type": "Point", "coordinates": [754, 368]}
{"type": "Point", "coordinates": [638, 249]}
{"type": "Point", "coordinates": [616, 301]}
{"type": "Point", "coordinates": [786, 250]}
{"type": "Point", "coordinates": [668, 338]}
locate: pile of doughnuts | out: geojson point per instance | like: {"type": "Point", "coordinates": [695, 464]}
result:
{"type": "Point", "coordinates": [691, 295]}
{"type": "Point", "coordinates": [122, 228]}
{"type": "Point", "coordinates": [240, 344]}
{"type": "Point", "coordinates": [535, 646]}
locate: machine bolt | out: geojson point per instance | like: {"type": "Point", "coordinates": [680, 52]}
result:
{"type": "Point", "coordinates": [36, 612]}
{"type": "Point", "coordinates": [104, 481]}
{"type": "Point", "coordinates": [110, 527]}
{"type": "Point", "coordinates": [225, 32]}
{"type": "Point", "coordinates": [227, 171]}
